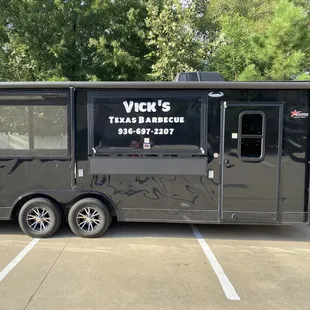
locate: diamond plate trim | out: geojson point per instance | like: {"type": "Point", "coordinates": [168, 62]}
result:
{"type": "Point", "coordinates": [202, 216]}
{"type": "Point", "coordinates": [167, 215]}
{"type": "Point", "coordinates": [295, 217]}
{"type": "Point", "coordinates": [250, 216]}
{"type": "Point", "coordinates": [5, 213]}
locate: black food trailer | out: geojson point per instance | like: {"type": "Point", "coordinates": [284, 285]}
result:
{"type": "Point", "coordinates": [195, 150]}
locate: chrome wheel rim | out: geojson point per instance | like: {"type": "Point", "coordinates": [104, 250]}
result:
{"type": "Point", "coordinates": [88, 219]}
{"type": "Point", "coordinates": [38, 219]}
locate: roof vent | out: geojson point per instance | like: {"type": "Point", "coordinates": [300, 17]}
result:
{"type": "Point", "coordinates": [198, 76]}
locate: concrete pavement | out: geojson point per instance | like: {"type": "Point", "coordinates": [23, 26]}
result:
{"type": "Point", "coordinates": [158, 266]}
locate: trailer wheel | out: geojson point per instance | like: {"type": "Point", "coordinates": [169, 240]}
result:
{"type": "Point", "coordinates": [39, 218]}
{"type": "Point", "coordinates": [89, 218]}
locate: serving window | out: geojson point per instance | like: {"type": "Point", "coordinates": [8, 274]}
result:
{"type": "Point", "coordinates": [147, 122]}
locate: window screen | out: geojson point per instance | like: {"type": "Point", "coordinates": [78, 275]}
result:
{"type": "Point", "coordinates": [29, 128]}
{"type": "Point", "coordinates": [153, 122]}
{"type": "Point", "coordinates": [251, 135]}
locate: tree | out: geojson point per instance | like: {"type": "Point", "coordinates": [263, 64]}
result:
{"type": "Point", "coordinates": [173, 39]}
{"type": "Point", "coordinates": [270, 43]}
{"type": "Point", "coordinates": [73, 40]}
{"type": "Point", "coordinates": [153, 39]}
{"type": "Point", "coordinates": [119, 49]}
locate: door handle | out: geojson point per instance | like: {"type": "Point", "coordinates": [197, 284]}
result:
{"type": "Point", "coordinates": [227, 163]}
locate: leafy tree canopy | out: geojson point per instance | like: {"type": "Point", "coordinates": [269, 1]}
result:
{"type": "Point", "coordinates": [153, 39]}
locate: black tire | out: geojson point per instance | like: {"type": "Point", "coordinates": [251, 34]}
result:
{"type": "Point", "coordinates": [78, 216]}
{"type": "Point", "coordinates": [51, 220]}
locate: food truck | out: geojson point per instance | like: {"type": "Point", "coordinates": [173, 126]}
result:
{"type": "Point", "coordinates": [198, 149]}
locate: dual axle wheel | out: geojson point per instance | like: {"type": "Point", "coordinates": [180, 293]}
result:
{"type": "Point", "coordinates": [41, 218]}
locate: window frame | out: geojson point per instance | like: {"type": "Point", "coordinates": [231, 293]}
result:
{"type": "Point", "coordinates": [112, 94]}
{"type": "Point", "coordinates": [262, 136]}
{"type": "Point", "coordinates": [38, 153]}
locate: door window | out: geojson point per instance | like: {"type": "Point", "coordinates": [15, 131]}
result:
{"type": "Point", "coordinates": [252, 124]}
{"type": "Point", "coordinates": [251, 135]}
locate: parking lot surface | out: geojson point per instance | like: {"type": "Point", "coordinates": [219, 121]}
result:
{"type": "Point", "coordinates": [158, 266]}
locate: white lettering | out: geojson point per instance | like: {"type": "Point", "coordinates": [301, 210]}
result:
{"type": "Point", "coordinates": [166, 106]}
{"type": "Point", "coordinates": [141, 108]}
{"type": "Point", "coordinates": [136, 106]}
{"type": "Point", "coordinates": [142, 119]}
{"type": "Point", "coordinates": [146, 106]}
{"type": "Point", "coordinates": [128, 106]}
{"type": "Point", "coordinates": [151, 107]}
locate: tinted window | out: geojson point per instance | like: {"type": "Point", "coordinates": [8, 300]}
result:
{"type": "Point", "coordinates": [153, 122]}
{"type": "Point", "coordinates": [251, 147]}
{"type": "Point", "coordinates": [252, 124]}
{"type": "Point", "coordinates": [251, 136]}
{"type": "Point", "coordinates": [14, 128]}
{"type": "Point", "coordinates": [28, 128]}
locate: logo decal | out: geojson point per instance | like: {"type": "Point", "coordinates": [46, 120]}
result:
{"type": "Point", "coordinates": [298, 114]}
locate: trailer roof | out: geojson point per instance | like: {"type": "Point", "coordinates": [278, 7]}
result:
{"type": "Point", "coordinates": [161, 85]}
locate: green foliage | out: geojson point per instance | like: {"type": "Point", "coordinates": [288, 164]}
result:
{"type": "Point", "coordinates": [172, 37]}
{"type": "Point", "coordinates": [232, 48]}
{"type": "Point", "coordinates": [262, 46]}
{"type": "Point", "coordinates": [153, 39]}
{"type": "Point", "coordinates": [303, 77]}
{"type": "Point", "coordinates": [282, 50]}
{"type": "Point", "coordinates": [118, 52]}
{"type": "Point", "coordinates": [73, 40]}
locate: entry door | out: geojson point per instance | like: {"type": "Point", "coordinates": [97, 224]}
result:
{"type": "Point", "coordinates": [250, 161]}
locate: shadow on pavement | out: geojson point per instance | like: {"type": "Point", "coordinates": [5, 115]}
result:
{"type": "Point", "coordinates": [297, 233]}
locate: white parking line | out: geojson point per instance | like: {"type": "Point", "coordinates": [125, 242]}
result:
{"type": "Point", "coordinates": [227, 287]}
{"type": "Point", "coordinates": [18, 258]}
